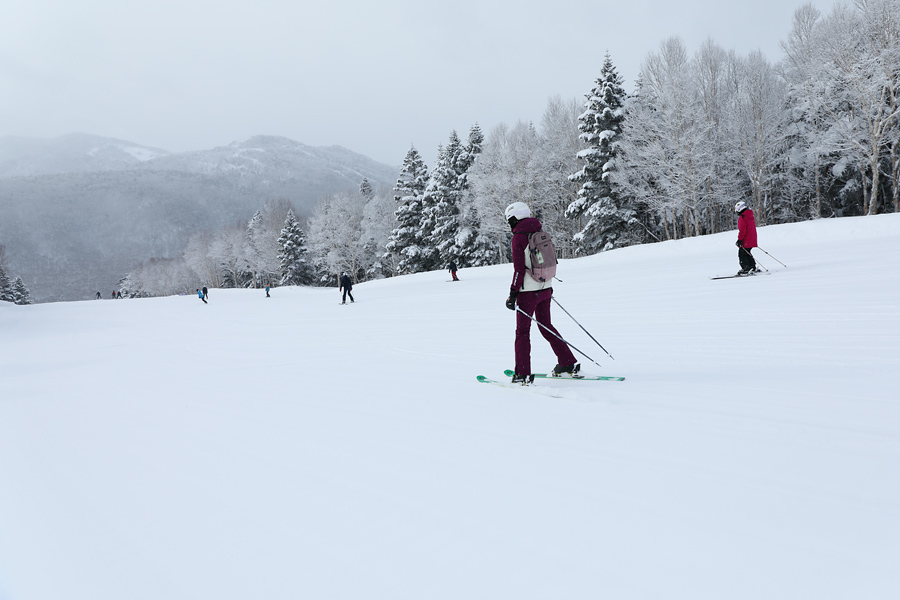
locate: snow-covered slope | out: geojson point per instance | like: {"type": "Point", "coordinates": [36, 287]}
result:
{"type": "Point", "coordinates": [291, 447]}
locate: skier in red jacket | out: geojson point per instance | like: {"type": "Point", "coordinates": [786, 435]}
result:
{"type": "Point", "coordinates": [746, 238]}
{"type": "Point", "coordinates": [532, 297]}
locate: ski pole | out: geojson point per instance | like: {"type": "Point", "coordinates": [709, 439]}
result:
{"type": "Point", "coordinates": [582, 327]}
{"type": "Point", "coordinates": [557, 336]}
{"type": "Point", "coordinates": [775, 259]}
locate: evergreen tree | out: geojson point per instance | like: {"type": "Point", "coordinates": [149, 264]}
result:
{"type": "Point", "coordinates": [608, 216]}
{"type": "Point", "coordinates": [406, 241]}
{"type": "Point", "coordinates": [471, 246]}
{"type": "Point", "coordinates": [470, 153]}
{"type": "Point", "coordinates": [6, 287]}
{"type": "Point", "coordinates": [454, 228]}
{"type": "Point", "coordinates": [295, 268]}
{"type": "Point", "coordinates": [442, 198]}
{"type": "Point", "coordinates": [21, 295]}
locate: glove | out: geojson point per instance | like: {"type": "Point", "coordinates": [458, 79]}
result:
{"type": "Point", "coordinates": [739, 244]}
{"type": "Point", "coordinates": [511, 301]}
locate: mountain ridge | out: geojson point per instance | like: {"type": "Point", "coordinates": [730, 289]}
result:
{"type": "Point", "coordinates": [80, 210]}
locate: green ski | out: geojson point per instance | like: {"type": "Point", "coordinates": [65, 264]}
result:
{"type": "Point", "coordinates": [510, 372]}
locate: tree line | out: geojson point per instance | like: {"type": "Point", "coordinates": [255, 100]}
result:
{"type": "Point", "coordinates": [816, 135]}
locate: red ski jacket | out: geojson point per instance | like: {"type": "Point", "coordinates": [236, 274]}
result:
{"type": "Point", "coordinates": [747, 229]}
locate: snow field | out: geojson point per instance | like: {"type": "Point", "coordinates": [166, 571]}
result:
{"type": "Point", "coordinates": [293, 447]}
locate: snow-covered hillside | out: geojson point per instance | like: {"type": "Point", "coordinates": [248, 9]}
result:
{"type": "Point", "coordinates": [291, 447]}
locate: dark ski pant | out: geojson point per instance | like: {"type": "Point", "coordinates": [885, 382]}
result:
{"type": "Point", "coordinates": [537, 304]}
{"type": "Point", "coordinates": [347, 293]}
{"type": "Point", "coordinates": [748, 263]}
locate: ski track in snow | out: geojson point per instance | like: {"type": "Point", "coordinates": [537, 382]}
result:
{"type": "Point", "coordinates": [292, 447]}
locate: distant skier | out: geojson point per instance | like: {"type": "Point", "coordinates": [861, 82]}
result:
{"type": "Point", "coordinates": [98, 295]}
{"type": "Point", "coordinates": [200, 295]}
{"type": "Point", "coordinates": [114, 294]}
{"type": "Point", "coordinates": [346, 286]}
{"type": "Point", "coordinates": [453, 270]}
{"type": "Point", "coordinates": [205, 293]}
{"type": "Point", "coordinates": [746, 238]}
{"type": "Point", "coordinates": [533, 298]}
{"type": "Point", "coordinates": [267, 291]}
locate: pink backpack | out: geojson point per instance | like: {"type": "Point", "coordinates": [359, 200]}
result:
{"type": "Point", "coordinates": [543, 256]}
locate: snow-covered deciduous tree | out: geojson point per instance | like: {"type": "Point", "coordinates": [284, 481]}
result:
{"type": "Point", "coordinates": [159, 277]}
{"type": "Point", "coordinates": [843, 76]}
{"type": "Point", "coordinates": [862, 65]}
{"type": "Point", "coordinates": [560, 146]}
{"type": "Point", "coordinates": [198, 255]}
{"type": "Point", "coordinates": [663, 141]}
{"type": "Point", "coordinates": [335, 231]}
{"type": "Point", "coordinates": [807, 181]}
{"type": "Point", "coordinates": [758, 120]}
{"type": "Point", "coordinates": [375, 232]}
{"type": "Point", "coordinates": [262, 252]}
{"type": "Point", "coordinates": [365, 189]}
{"type": "Point", "coordinates": [229, 248]}
{"type": "Point", "coordinates": [509, 170]}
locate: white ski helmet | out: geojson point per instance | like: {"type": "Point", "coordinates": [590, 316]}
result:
{"type": "Point", "coordinates": [519, 210]}
{"type": "Point", "coordinates": [740, 207]}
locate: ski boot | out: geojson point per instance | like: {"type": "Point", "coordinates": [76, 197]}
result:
{"type": "Point", "coordinates": [522, 379]}
{"type": "Point", "coordinates": [571, 370]}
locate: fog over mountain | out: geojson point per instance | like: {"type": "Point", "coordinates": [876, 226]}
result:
{"type": "Point", "coordinates": [77, 212]}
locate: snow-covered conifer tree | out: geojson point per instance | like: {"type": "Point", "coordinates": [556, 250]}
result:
{"type": "Point", "coordinates": [442, 199]}
{"type": "Point", "coordinates": [295, 268]}
{"type": "Point", "coordinates": [455, 227]}
{"type": "Point", "coordinates": [471, 245]}
{"type": "Point", "coordinates": [6, 287]}
{"type": "Point", "coordinates": [607, 215]}
{"type": "Point", "coordinates": [406, 242]}
{"type": "Point", "coordinates": [21, 295]}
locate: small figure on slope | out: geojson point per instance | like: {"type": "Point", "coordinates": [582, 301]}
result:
{"type": "Point", "coordinates": [531, 297]}
{"type": "Point", "coordinates": [200, 295]}
{"type": "Point", "coordinates": [267, 291]}
{"type": "Point", "coordinates": [453, 270]}
{"type": "Point", "coordinates": [346, 286]}
{"type": "Point", "coordinates": [746, 238]}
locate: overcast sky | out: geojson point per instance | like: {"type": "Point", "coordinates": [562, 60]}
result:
{"type": "Point", "coordinates": [373, 76]}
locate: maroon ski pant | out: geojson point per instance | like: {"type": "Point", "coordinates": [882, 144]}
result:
{"type": "Point", "coordinates": [537, 304]}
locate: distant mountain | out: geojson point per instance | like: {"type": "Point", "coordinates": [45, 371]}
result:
{"type": "Point", "coordinates": [75, 153]}
{"type": "Point", "coordinates": [77, 212]}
